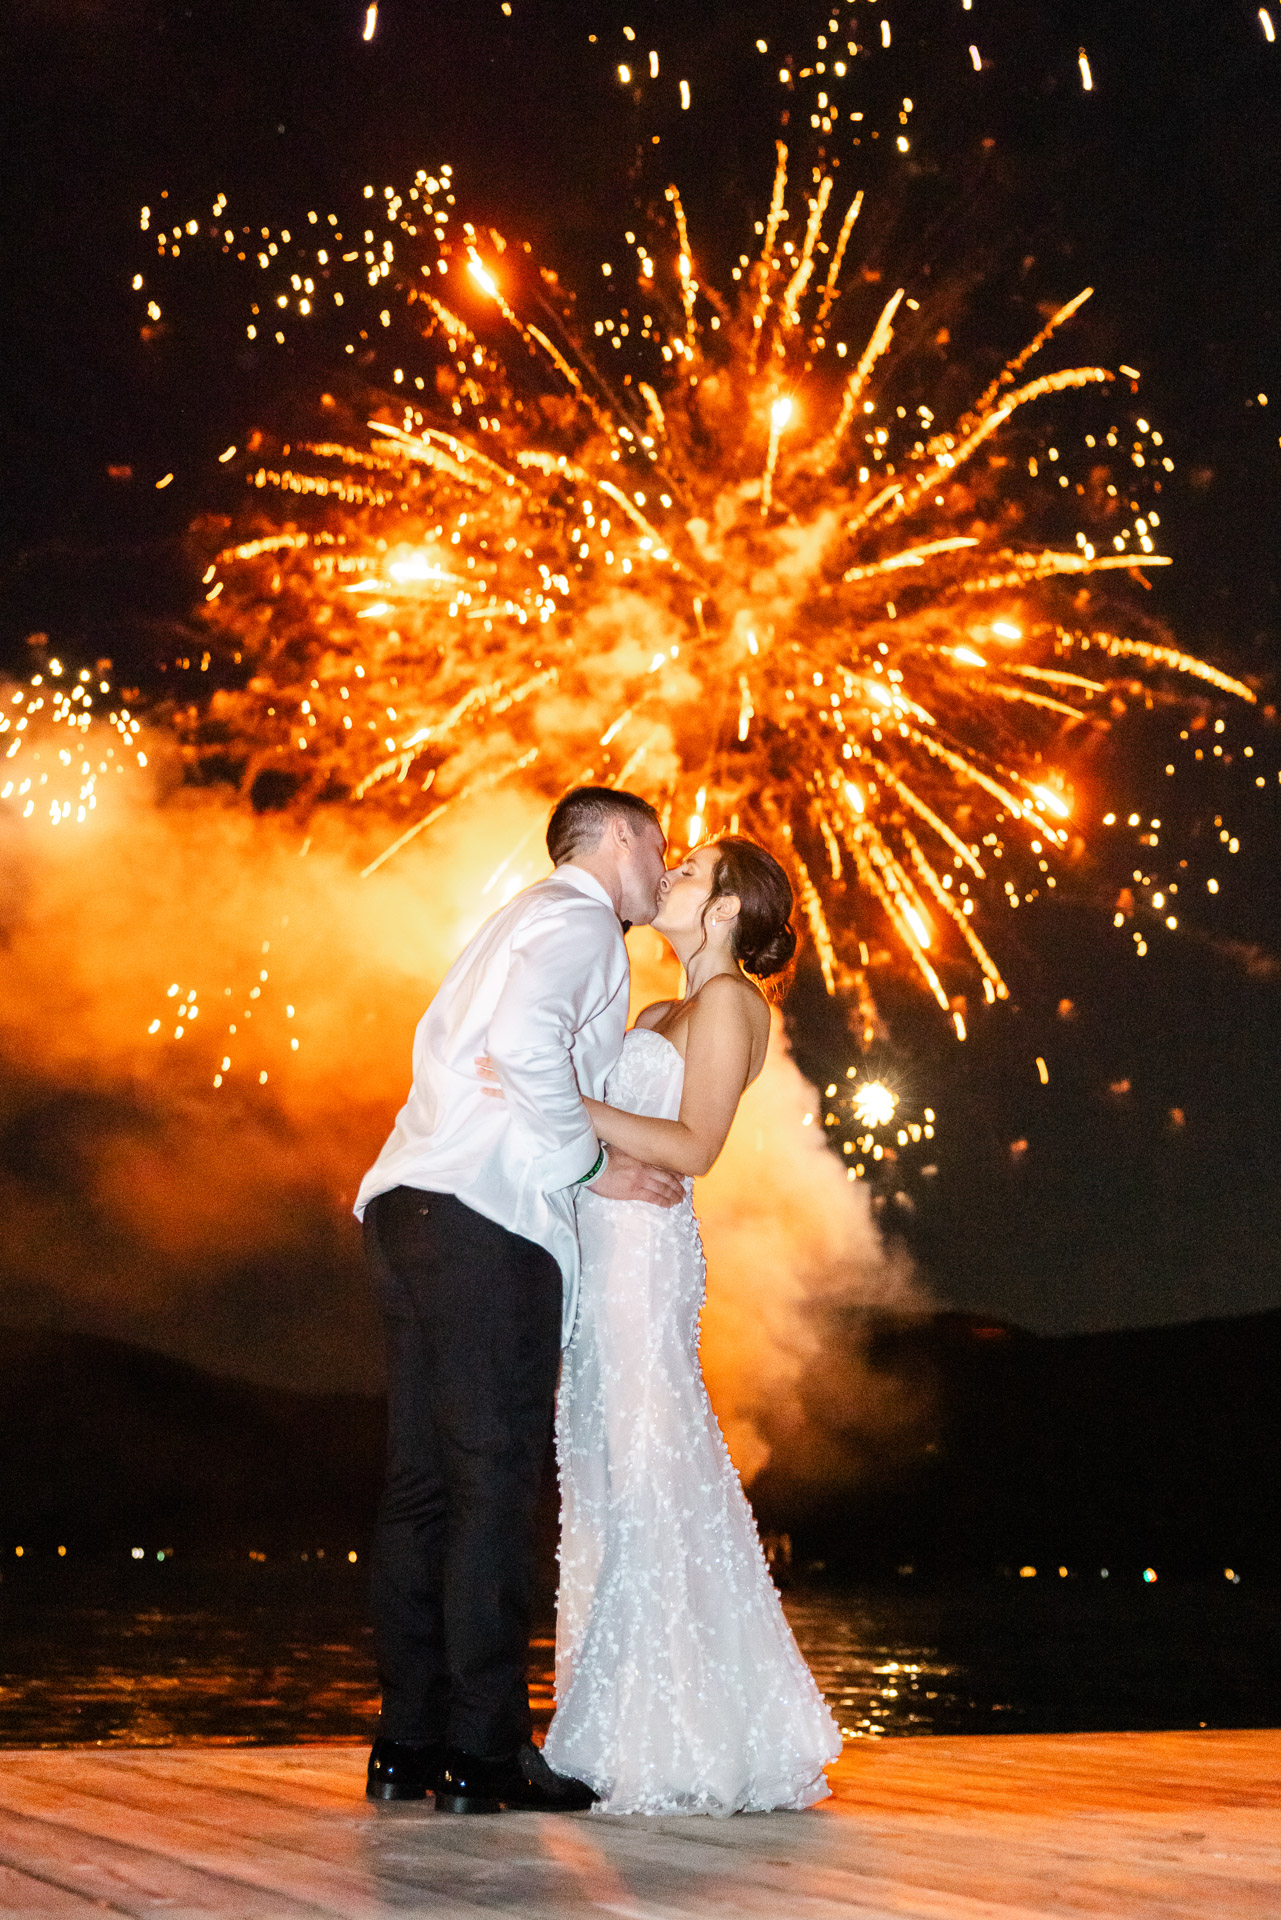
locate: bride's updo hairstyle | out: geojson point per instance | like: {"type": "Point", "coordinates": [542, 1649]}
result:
{"type": "Point", "coordinates": [764, 941]}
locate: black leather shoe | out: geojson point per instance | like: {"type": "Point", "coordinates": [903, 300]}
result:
{"type": "Point", "coordinates": [401, 1772]}
{"type": "Point", "coordinates": [522, 1781]}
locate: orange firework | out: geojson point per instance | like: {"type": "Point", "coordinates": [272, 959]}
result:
{"type": "Point", "coordinates": [701, 547]}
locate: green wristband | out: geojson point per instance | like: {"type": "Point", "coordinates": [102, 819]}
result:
{"type": "Point", "coordinates": [601, 1160]}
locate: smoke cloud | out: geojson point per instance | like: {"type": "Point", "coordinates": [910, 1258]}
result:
{"type": "Point", "coordinates": [212, 1221]}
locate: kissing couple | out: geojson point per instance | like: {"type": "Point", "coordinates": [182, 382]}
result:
{"type": "Point", "coordinates": [534, 1195]}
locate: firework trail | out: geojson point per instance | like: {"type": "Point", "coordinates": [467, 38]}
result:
{"type": "Point", "coordinates": [723, 548]}
{"type": "Point", "coordinates": [730, 548]}
{"type": "Point", "coordinates": [742, 576]}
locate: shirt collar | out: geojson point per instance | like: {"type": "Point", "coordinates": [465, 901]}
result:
{"type": "Point", "coordinates": [583, 882]}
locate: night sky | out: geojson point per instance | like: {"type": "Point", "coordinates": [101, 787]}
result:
{"type": "Point", "coordinates": [1139, 1185]}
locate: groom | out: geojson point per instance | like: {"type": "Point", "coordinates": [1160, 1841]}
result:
{"type": "Point", "coordinates": [471, 1238]}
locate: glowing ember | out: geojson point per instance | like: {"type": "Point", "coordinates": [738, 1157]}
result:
{"type": "Point", "coordinates": [688, 552]}
{"type": "Point", "coordinates": [874, 1104]}
{"type": "Point", "coordinates": [56, 728]}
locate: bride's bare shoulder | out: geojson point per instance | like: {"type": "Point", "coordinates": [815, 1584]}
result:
{"type": "Point", "coordinates": [655, 1015]}
{"type": "Point", "coordinates": [731, 996]}
{"type": "Point", "coordinates": [733, 990]}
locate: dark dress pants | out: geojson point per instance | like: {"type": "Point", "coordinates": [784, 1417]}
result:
{"type": "Point", "coordinates": [473, 1349]}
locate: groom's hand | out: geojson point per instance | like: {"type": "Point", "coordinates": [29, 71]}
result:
{"type": "Point", "coordinates": [626, 1178]}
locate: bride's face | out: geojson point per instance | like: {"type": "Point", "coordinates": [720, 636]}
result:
{"type": "Point", "coordinates": [683, 891]}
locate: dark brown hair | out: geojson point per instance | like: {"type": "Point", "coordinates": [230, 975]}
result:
{"type": "Point", "coordinates": [764, 940]}
{"type": "Point", "coordinates": [578, 819]}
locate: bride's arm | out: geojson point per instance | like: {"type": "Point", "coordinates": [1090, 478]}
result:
{"type": "Point", "coordinates": [718, 1060]}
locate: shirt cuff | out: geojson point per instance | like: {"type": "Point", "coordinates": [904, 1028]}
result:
{"type": "Point", "coordinates": [594, 1172]}
{"type": "Point", "coordinates": [567, 1167]}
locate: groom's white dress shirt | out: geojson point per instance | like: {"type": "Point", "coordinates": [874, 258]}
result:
{"type": "Point", "coordinates": [543, 990]}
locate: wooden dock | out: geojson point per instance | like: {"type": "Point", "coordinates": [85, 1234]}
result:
{"type": "Point", "coordinates": [1131, 1826]}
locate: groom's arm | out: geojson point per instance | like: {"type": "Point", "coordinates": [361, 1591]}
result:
{"type": "Point", "coordinates": [558, 978]}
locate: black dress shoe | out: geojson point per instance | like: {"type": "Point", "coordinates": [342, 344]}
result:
{"type": "Point", "coordinates": [521, 1781]}
{"type": "Point", "coordinates": [401, 1772]}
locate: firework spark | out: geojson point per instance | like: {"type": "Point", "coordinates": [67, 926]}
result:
{"type": "Point", "coordinates": [53, 730]}
{"type": "Point", "coordinates": [775, 597]}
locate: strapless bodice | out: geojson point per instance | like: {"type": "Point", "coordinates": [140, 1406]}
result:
{"type": "Point", "coordinates": [647, 1076]}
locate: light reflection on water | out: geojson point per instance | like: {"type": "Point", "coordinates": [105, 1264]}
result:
{"type": "Point", "coordinates": [278, 1657]}
{"type": "Point", "coordinates": [872, 1685]}
{"type": "Point", "coordinates": [238, 1673]}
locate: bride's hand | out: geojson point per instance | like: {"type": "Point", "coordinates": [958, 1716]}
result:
{"type": "Point", "coordinates": [491, 1085]}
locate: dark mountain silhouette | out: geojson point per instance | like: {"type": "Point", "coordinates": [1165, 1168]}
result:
{"type": "Point", "coordinates": [101, 1442]}
{"type": "Point", "coordinates": [1159, 1446]}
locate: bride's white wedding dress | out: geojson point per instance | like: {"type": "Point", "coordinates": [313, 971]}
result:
{"type": "Point", "coordinates": [679, 1686]}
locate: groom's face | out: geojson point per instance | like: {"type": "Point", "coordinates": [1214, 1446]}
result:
{"type": "Point", "coordinates": [640, 871]}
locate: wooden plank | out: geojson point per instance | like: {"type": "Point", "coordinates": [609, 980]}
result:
{"type": "Point", "coordinates": [1080, 1771]}
{"type": "Point", "coordinates": [305, 1777]}
{"type": "Point", "coordinates": [1177, 1826]}
{"type": "Point", "coordinates": [29, 1894]}
{"type": "Point", "coordinates": [84, 1872]}
{"type": "Point", "coordinates": [221, 1846]}
{"type": "Point", "coordinates": [950, 1869]}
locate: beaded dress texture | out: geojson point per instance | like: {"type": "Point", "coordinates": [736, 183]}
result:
{"type": "Point", "coordinates": [680, 1688]}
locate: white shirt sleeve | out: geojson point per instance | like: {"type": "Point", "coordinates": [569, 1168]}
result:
{"type": "Point", "coordinates": [556, 982]}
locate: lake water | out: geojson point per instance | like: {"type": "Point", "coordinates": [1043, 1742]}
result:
{"type": "Point", "coordinates": [153, 1654]}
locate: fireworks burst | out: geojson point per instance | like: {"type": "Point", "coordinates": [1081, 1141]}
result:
{"type": "Point", "coordinates": [706, 550]}
{"type": "Point", "coordinates": [737, 550]}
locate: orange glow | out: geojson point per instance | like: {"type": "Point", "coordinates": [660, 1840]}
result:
{"type": "Point", "coordinates": [484, 280]}
{"type": "Point", "coordinates": [671, 572]}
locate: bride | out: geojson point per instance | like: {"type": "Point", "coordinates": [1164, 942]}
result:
{"type": "Point", "coordinates": [680, 1688]}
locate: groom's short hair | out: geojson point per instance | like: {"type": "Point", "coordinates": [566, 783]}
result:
{"type": "Point", "coordinates": [579, 819]}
